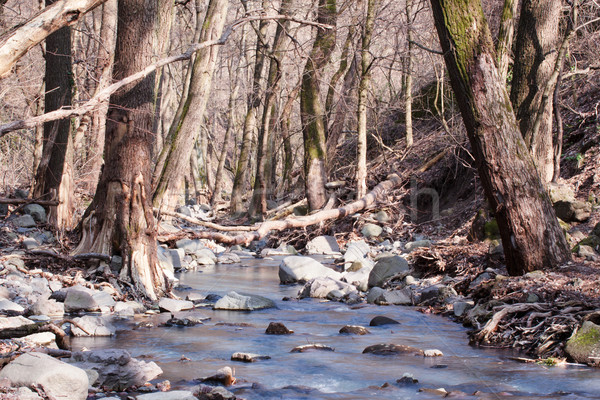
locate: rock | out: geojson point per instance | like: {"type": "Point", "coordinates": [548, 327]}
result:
{"type": "Point", "coordinates": [224, 376]}
{"type": "Point", "coordinates": [123, 310]}
{"type": "Point", "coordinates": [3, 210]}
{"type": "Point", "coordinates": [172, 395]}
{"type": "Point", "coordinates": [166, 227]}
{"type": "Point", "coordinates": [381, 216]}
{"type": "Point", "coordinates": [359, 278]}
{"type": "Point", "coordinates": [314, 346]}
{"type": "Point", "coordinates": [584, 346]}
{"type": "Point", "coordinates": [384, 297]}
{"type": "Point", "coordinates": [410, 246]}
{"type": "Point", "coordinates": [587, 252]}
{"type": "Point", "coordinates": [437, 293]}
{"type": "Point", "coordinates": [190, 246]}
{"type": "Point", "coordinates": [320, 287]}
{"type": "Point", "coordinates": [278, 328]}
{"type": "Point", "coordinates": [170, 259]}
{"type": "Point", "coordinates": [248, 357]}
{"type": "Point", "coordinates": [283, 249]}
{"type": "Point", "coordinates": [380, 320]}
{"type": "Point", "coordinates": [116, 369]}
{"type": "Point", "coordinates": [41, 339]}
{"type": "Point", "coordinates": [36, 211]}
{"type": "Point", "coordinates": [229, 258]}
{"type": "Point", "coordinates": [433, 353]}
{"type": "Point", "coordinates": [24, 221]}
{"type": "Point", "coordinates": [243, 302]}
{"type": "Point", "coordinates": [205, 392]}
{"type": "Point", "coordinates": [205, 257]}
{"type": "Point", "coordinates": [80, 300]}
{"type": "Point", "coordinates": [302, 269]}
{"type": "Point", "coordinates": [371, 230]}
{"type": "Point", "coordinates": [560, 192]}
{"type": "Point", "coordinates": [461, 307]}
{"type": "Point", "coordinates": [323, 245]}
{"type": "Point", "coordinates": [407, 379]}
{"type": "Point", "coordinates": [391, 349]}
{"type": "Point", "coordinates": [11, 326]}
{"type": "Point", "coordinates": [356, 256]}
{"type": "Point", "coordinates": [94, 326]}
{"type": "Point", "coordinates": [104, 299]}
{"type": "Point", "coordinates": [592, 241]}
{"type": "Point", "coordinates": [58, 379]}
{"type": "Point", "coordinates": [387, 267]}
{"type": "Point", "coordinates": [573, 211]}
{"type": "Point", "coordinates": [30, 243]}
{"type": "Point", "coordinates": [8, 307]}
{"type": "Point", "coordinates": [596, 230]}
{"type": "Point", "coordinates": [166, 304]}
{"type": "Point", "coordinates": [355, 330]}
{"type": "Point", "coordinates": [187, 318]}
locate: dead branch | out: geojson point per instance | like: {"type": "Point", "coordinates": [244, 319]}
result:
{"type": "Point", "coordinates": [206, 224]}
{"type": "Point", "coordinates": [6, 200]}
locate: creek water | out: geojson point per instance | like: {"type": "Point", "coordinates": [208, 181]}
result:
{"type": "Point", "coordinates": [345, 373]}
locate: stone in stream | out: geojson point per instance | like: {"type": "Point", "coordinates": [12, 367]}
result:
{"type": "Point", "coordinates": [174, 305]}
{"type": "Point", "coordinates": [391, 349]}
{"type": "Point", "coordinates": [12, 326]}
{"type": "Point", "coordinates": [206, 392]}
{"type": "Point", "coordinates": [322, 245]}
{"type": "Point", "coordinates": [172, 395]}
{"type": "Point", "coordinates": [387, 267]}
{"type": "Point", "coordinates": [584, 346]}
{"type": "Point", "coordinates": [229, 258]}
{"type": "Point", "coordinates": [94, 326]}
{"type": "Point", "coordinates": [315, 346]}
{"type": "Point", "coordinates": [302, 269]}
{"type": "Point", "coordinates": [58, 379]}
{"type": "Point", "coordinates": [407, 379]}
{"type": "Point", "coordinates": [248, 357]}
{"type": "Point", "coordinates": [381, 320]}
{"type": "Point", "coordinates": [371, 230]}
{"type": "Point", "coordinates": [355, 330]}
{"type": "Point", "coordinates": [243, 302]}
{"type": "Point", "coordinates": [224, 376]}
{"type": "Point", "coordinates": [80, 299]}
{"type": "Point", "coordinates": [8, 307]}
{"type": "Point", "coordinates": [433, 353]}
{"type": "Point", "coordinates": [358, 278]}
{"type": "Point", "coordinates": [320, 288]}
{"type": "Point", "coordinates": [278, 328]}
{"type": "Point", "coordinates": [187, 318]}
{"type": "Point", "coordinates": [381, 296]}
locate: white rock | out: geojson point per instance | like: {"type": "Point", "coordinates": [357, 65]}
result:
{"type": "Point", "coordinates": [243, 302]}
{"type": "Point", "coordinates": [321, 287]}
{"type": "Point", "coordinates": [301, 269]}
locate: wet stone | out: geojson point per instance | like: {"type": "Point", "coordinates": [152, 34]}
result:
{"type": "Point", "coordinates": [382, 320]}
{"type": "Point", "coordinates": [355, 330]}
{"type": "Point", "coordinates": [248, 357]}
{"type": "Point", "coordinates": [278, 328]}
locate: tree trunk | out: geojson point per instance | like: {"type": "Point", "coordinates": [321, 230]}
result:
{"type": "Point", "coordinates": [120, 219]}
{"type": "Point", "coordinates": [286, 136]}
{"type": "Point", "coordinates": [531, 236]}
{"type": "Point", "coordinates": [184, 130]}
{"type": "Point", "coordinates": [408, 98]}
{"type": "Point", "coordinates": [346, 56]}
{"type": "Point", "coordinates": [311, 108]}
{"type": "Point", "coordinates": [535, 57]}
{"type": "Point", "coordinates": [505, 37]}
{"type": "Point", "coordinates": [57, 134]}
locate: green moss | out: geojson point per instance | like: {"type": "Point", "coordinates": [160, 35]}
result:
{"type": "Point", "coordinates": [590, 337]}
{"type": "Point", "coordinates": [592, 241]}
{"type": "Point", "coordinates": [491, 229]}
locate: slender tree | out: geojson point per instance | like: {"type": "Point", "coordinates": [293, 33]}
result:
{"type": "Point", "coordinates": [408, 77]}
{"type": "Point", "coordinates": [531, 236]}
{"type": "Point", "coordinates": [505, 36]}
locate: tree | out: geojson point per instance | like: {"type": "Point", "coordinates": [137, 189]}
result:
{"type": "Point", "coordinates": [531, 236]}
{"type": "Point", "coordinates": [505, 36]}
{"type": "Point", "coordinates": [408, 78]}
{"type": "Point", "coordinates": [120, 219]}
{"type": "Point", "coordinates": [311, 108]}
{"type": "Point", "coordinates": [536, 49]}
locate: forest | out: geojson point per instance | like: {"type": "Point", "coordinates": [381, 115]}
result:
{"type": "Point", "coordinates": [198, 169]}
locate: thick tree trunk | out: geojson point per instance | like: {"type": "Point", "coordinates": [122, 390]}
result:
{"type": "Point", "coordinates": [120, 219]}
{"type": "Point", "coordinates": [311, 108]}
{"type": "Point", "coordinates": [505, 37]}
{"type": "Point", "coordinates": [286, 136]}
{"type": "Point", "coordinates": [531, 236]}
{"type": "Point", "coordinates": [184, 130]}
{"type": "Point", "coordinates": [535, 57]}
{"type": "Point", "coordinates": [57, 134]}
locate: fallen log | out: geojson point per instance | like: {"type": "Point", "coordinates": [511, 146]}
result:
{"type": "Point", "coordinates": [301, 222]}
{"type": "Point", "coordinates": [206, 224]}
{"type": "Point", "coordinates": [6, 200]}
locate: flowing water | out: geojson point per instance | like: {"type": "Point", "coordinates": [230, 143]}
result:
{"type": "Point", "coordinates": [345, 373]}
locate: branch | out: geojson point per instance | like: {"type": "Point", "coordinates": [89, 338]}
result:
{"type": "Point", "coordinates": [206, 224]}
{"type": "Point", "coordinates": [419, 45]}
{"type": "Point", "coordinates": [103, 95]}
{"type": "Point", "coordinates": [18, 41]}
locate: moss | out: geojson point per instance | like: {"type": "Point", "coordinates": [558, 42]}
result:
{"type": "Point", "coordinates": [592, 241]}
{"type": "Point", "coordinates": [590, 337]}
{"type": "Point", "coordinates": [491, 229]}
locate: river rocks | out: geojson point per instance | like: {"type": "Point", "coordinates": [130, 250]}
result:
{"type": "Point", "coordinates": [356, 256]}
{"type": "Point", "coordinates": [12, 326]}
{"type": "Point", "coordinates": [30, 243]}
{"type": "Point", "coordinates": [58, 379]}
{"type": "Point", "coordinates": [243, 302]}
{"type": "Point", "coordinates": [205, 392]}
{"type": "Point", "coordinates": [381, 320]}
{"type": "Point", "coordinates": [410, 246]}
{"type": "Point", "coordinates": [387, 267]}
{"type": "Point", "coordinates": [573, 210]}
{"type": "Point", "coordinates": [355, 330]}
{"type": "Point", "coordinates": [384, 297]}
{"type": "Point", "coordinates": [170, 259]}
{"type": "Point", "coordinates": [248, 357]}
{"type": "Point", "coordinates": [94, 326]}
{"type": "Point", "coordinates": [187, 318]}
{"type": "Point", "coordinates": [461, 307]}
{"type": "Point", "coordinates": [228, 258]}
{"type": "Point", "coordinates": [8, 307]}
{"type": "Point", "coordinates": [371, 230]}
{"type": "Point", "coordinates": [41, 339]}
{"type": "Point", "coordinates": [123, 310]}
{"type": "Point", "coordinates": [587, 252]}
{"type": "Point", "coordinates": [437, 293]}
{"type": "Point", "coordinates": [392, 349]}
{"type": "Point", "coordinates": [314, 346]}
{"type": "Point", "coordinates": [321, 287]}
{"type": "Point", "coordinates": [224, 376]}
{"type": "Point", "coordinates": [302, 269]}
{"type": "Point", "coordinates": [172, 395]}
{"type": "Point", "coordinates": [205, 257]}
{"type": "Point", "coordinates": [278, 328]}
{"type": "Point", "coordinates": [174, 305]}
{"type": "Point", "coordinates": [36, 211]}
{"type": "Point", "coordinates": [80, 299]}
{"type": "Point", "coordinates": [359, 278]}
{"type": "Point", "coordinates": [433, 353]}
{"type": "Point", "coordinates": [323, 245]}
{"type": "Point", "coordinates": [116, 369]}
{"type": "Point", "coordinates": [584, 346]}
{"type": "Point", "coordinates": [24, 221]}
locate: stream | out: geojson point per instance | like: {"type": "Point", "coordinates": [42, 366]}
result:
{"type": "Point", "coordinates": [345, 373]}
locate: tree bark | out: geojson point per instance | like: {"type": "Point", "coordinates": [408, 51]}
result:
{"type": "Point", "coordinates": [311, 108]}
{"type": "Point", "coordinates": [408, 97]}
{"type": "Point", "coordinates": [531, 236]}
{"type": "Point", "coordinates": [505, 37]}
{"type": "Point", "coordinates": [536, 49]}
{"type": "Point", "coordinates": [120, 219]}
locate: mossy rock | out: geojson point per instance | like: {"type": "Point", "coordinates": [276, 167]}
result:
{"type": "Point", "coordinates": [593, 241]}
{"type": "Point", "coordinates": [584, 346]}
{"type": "Point", "coordinates": [565, 226]}
{"type": "Point", "coordinates": [491, 229]}
{"type": "Point", "coordinates": [596, 230]}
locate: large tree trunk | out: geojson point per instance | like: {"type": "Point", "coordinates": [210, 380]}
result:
{"type": "Point", "coordinates": [120, 219]}
{"type": "Point", "coordinates": [535, 57]}
{"type": "Point", "coordinates": [57, 134]}
{"type": "Point", "coordinates": [531, 236]}
{"type": "Point", "coordinates": [184, 130]}
{"type": "Point", "coordinates": [505, 37]}
{"type": "Point", "coordinates": [311, 108]}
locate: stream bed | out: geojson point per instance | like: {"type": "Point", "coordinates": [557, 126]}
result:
{"type": "Point", "coordinates": [345, 373]}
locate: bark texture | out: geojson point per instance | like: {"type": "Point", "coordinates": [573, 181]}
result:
{"type": "Point", "coordinates": [531, 236]}
{"type": "Point", "coordinates": [505, 37]}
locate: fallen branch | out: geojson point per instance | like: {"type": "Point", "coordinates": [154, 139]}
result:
{"type": "Point", "coordinates": [6, 200]}
{"type": "Point", "coordinates": [206, 224]}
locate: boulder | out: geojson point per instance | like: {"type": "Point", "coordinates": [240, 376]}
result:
{"type": "Point", "coordinates": [205, 257]}
{"type": "Point", "coordinates": [104, 299]}
{"type": "Point", "coordinates": [13, 326]}
{"type": "Point", "coordinates": [461, 307]}
{"type": "Point", "coordinates": [229, 258]}
{"type": "Point", "coordinates": [384, 297]}
{"type": "Point", "coordinates": [584, 346]}
{"type": "Point", "coordinates": [437, 293]}
{"type": "Point", "coordinates": [24, 221]}
{"type": "Point", "coordinates": [359, 278]}
{"type": "Point", "coordinates": [30, 243]}
{"type": "Point", "coordinates": [36, 211]}
{"type": "Point", "coordinates": [410, 246]}
{"type": "Point", "coordinates": [302, 269]}
{"type": "Point", "coordinates": [278, 328]}
{"type": "Point", "coordinates": [166, 304]}
{"type": "Point", "coordinates": [385, 268]}
{"type": "Point", "coordinates": [170, 259]}
{"type": "Point", "coordinates": [587, 252]}
{"type": "Point", "coordinates": [80, 300]}
{"type": "Point", "coordinates": [313, 346]}
{"type": "Point", "coordinates": [8, 307]}
{"type": "Point", "coordinates": [573, 211]}
{"type": "Point", "coordinates": [371, 230]}
{"type": "Point", "coordinates": [41, 339]}
{"type": "Point", "coordinates": [354, 330]}
{"type": "Point", "coordinates": [172, 395]}
{"type": "Point", "coordinates": [205, 392]}
{"type": "Point", "coordinates": [187, 318]}
{"type": "Point", "coordinates": [357, 251]}
{"type": "Point", "coordinates": [94, 326]}
{"type": "Point", "coordinates": [190, 246]}
{"type": "Point", "coordinates": [320, 287]}
{"type": "Point", "coordinates": [323, 245]}
{"type": "Point", "coordinates": [123, 310]}
{"type": "Point", "coordinates": [243, 302]}
{"type": "Point", "coordinates": [381, 320]}
{"type": "Point", "coordinates": [59, 380]}
{"type": "Point", "coordinates": [392, 349]}
{"type": "Point", "coordinates": [116, 369]}
{"type": "Point", "coordinates": [381, 216]}
{"type": "Point", "coordinates": [248, 357]}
